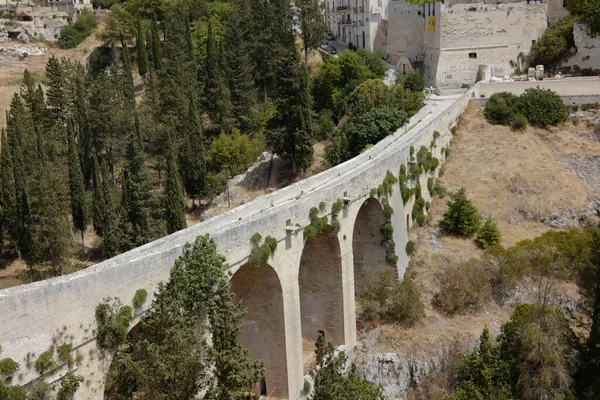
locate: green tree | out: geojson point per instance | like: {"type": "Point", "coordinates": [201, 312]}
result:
{"type": "Point", "coordinates": [8, 369]}
{"type": "Point", "coordinates": [335, 380]}
{"type": "Point", "coordinates": [112, 236]}
{"type": "Point", "coordinates": [542, 107]}
{"type": "Point", "coordinates": [173, 197]}
{"type": "Point", "coordinates": [193, 162]}
{"type": "Point", "coordinates": [370, 94]}
{"type": "Point", "coordinates": [119, 25]}
{"type": "Point", "coordinates": [555, 43]}
{"type": "Point", "coordinates": [292, 134]}
{"type": "Point", "coordinates": [156, 47]}
{"type": "Point", "coordinates": [461, 218]}
{"type": "Point", "coordinates": [56, 92]}
{"type": "Point", "coordinates": [488, 235]}
{"type": "Point", "coordinates": [79, 210]}
{"type": "Point", "coordinates": [97, 197]}
{"type": "Point", "coordinates": [141, 50]}
{"type": "Point", "coordinates": [312, 25]}
{"type": "Point", "coordinates": [8, 200]}
{"type": "Point", "coordinates": [590, 13]}
{"type": "Point", "coordinates": [501, 108]}
{"type": "Point", "coordinates": [414, 81]}
{"type": "Point", "coordinates": [483, 374]}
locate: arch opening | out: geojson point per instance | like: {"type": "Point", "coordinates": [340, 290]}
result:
{"type": "Point", "coordinates": [259, 291]}
{"type": "Point", "coordinates": [321, 293]}
{"type": "Point", "coordinates": [368, 246]}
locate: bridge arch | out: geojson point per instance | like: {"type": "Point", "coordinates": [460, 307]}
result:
{"type": "Point", "coordinates": [259, 291]}
{"type": "Point", "coordinates": [368, 245]}
{"type": "Point", "coordinates": [320, 281]}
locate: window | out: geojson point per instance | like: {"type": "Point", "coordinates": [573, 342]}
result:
{"type": "Point", "coordinates": [472, 55]}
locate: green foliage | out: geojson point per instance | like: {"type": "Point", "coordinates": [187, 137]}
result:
{"type": "Point", "coordinates": [426, 160]}
{"type": "Point", "coordinates": [555, 43]}
{"type": "Point", "coordinates": [337, 207]}
{"type": "Point", "coordinates": [336, 226]}
{"type": "Point", "coordinates": [79, 210]}
{"type": "Point", "coordinates": [44, 363]}
{"type": "Point", "coordinates": [64, 354]}
{"type": "Point", "coordinates": [519, 123]}
{"type": "Point", "coordinates": [71, 36]}
{"type": "Point", "coordinates": [488, 235]}
{"type": "Point", "coordinates": [174, 203]}
{"type": "Point", "coordinates": [461, 218]}
{"type": "Point", "coordinates": [113, 323]}
{"type": "Point", "coordinates": [69, 384]}
{"type": "Point", "coordinates": [260, 253]}
{"type": "Point", "coordinates": [387, 231]}
{"type": "Point", "coordinates": [322, 206]}
{"type": "Point", "coordinates": [139, 298]}
{"type": "Point", "coordinates": [463, 287]}
{"type": "Point", "coordinates": [501, 108]}
{"type": "Point", "coordinates": [236, 150]}
{"type": "Point", "coordinates": [412, 153]}
{"type": "Point", "coordinates": [367, 96]}
{"type": "Point", "coordinates": [542, 107]}
{"type": "Point", "coordinates": [410, 248]}
{"type": "Point", "coordinates": [590, 14]}
{"type": "Point", "coordinates": [453, 130]}
{"type": "Point", "coordinates": [316, 226]}
{"type": "Point", "coordinates": [414, 81]}
{"type": "Point", "coordinates": [406, 306]}
{"type": "Point", "coordinates": [312, 25]}
{"type": "Point", "coordinates": [334, 379]}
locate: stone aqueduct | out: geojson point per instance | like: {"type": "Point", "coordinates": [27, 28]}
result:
{"type": "Point", "coordinates": [307, 287]}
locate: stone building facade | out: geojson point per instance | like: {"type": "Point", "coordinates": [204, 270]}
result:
{"type": "Point", "coordinates": [452, 41]}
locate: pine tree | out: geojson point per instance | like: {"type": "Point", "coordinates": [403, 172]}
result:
{"type": "Point", "coordinates": [156, 50]}
{"type": "Point", "coordinates": [56, 93]}
{"type": "Point", "coordinates": [141, 50]}
{"type": "Point", "coordinates": [76, 187]}
{"type": "Point", "coordinates": [193, 164]}
{"type": "Point", "coordinates": [7, 195]}
{"type": "Point", "coordinates": [462, 217]}
{"type": "Point", "coordinates": [173, 197]}
{"type": "Point", "coordinates": [489, 234]}
{"type": "Point", "coordinates": [291, 136]}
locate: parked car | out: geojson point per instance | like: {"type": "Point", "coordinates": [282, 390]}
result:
{"type": "Point", "coordinates": [330, 36]}
{"type": "Point", "coordinates": [324, 46]}
{"type": "Point", "coordinates": [332, 50]}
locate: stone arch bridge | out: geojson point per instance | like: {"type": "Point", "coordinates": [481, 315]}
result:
{"type": "Point", "coordinates": [307, 287]}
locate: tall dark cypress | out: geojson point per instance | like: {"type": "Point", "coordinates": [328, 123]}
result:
{"type": "Point", "coordinates": [141, 50]}
{"type": "Point", "coordinates": [137, 195]}
{"type": "Point", "coordinates": [56, 93]}
{"type": "Point", "coordinates": [112, 235]}
{"type": "Point", "coordinates": [8, 201]}
{"type": "Point", "coordinates": [97, 197]}
{"type": "Point", "coordinates": [76, 186]}
{"type": "Point", "coordinates": [193, 164]}
{"type": "Point", "coordinates": [291, 134]}
{"type": "Point", "coordinates": [173, 196]}
{"type": "Point", "coordinates": [129, 89]}
{"type": "Point", "coordinates": [156, 50]}
{"type": "Point", "coordinates": [218, 97]}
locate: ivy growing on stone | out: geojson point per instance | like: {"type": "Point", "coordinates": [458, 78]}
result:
{"type": "Point", "coordinates": [336, 208]}
{"type": "Point", "coordinates": [316, 226]}
{"type": "Point", "coordinates": [417, 210]}
{"type": "Point", "coordinates": [64, 354]}
{"type": "Point", "coordinates": [45, 362]}
{"type": "Point", "coordinates": [405, 191]}
{"type": "Point", "coordinates": [387, 230]}
{"type": "Point", "coordinates": [139, 298]}
{"type": "Point", "coordinates": [261, 252]}
{"type": "Point", "coordinates": [426, 160]}
{"type": "Point", "coordinates": [412, 153]}
{"type": "Point", "coordinates": [113, 320]}
{"type": "Point", "coordinates": [322, 206]}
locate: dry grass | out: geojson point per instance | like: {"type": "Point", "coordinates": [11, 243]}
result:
{"type": "Point", "coordinates": [515, 177]}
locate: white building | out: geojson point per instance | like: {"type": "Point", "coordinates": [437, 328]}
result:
{"type": "Point", "coordinates": [356, 22]}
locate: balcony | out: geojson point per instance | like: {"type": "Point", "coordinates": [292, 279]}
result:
{"type": "Point", "coordinates": [344, 22]}
{"type": "Point", "coordinates": [343, 8]}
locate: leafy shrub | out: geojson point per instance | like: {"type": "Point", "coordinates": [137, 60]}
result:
{"type": "Point", "coordinates": [405, 304]}
{"type": "Point", "coordinates": [488, 235]}
{"type": "Point", "coordinates": [462, 287]}
{"type": "Point", "coordinates": [404, 99]}
{"type": "Point", "coordinates": [461, 218]}
{"type": "Point", "coordinates": [71, 36]}
{"type": "Point", "coordinates": [410, 248]}
{"type": "Point", "coordinates": [316, 226]}
{"type": "Point", "coordinates": [260, 253]}
{"type": "Point", "coordinates": [414, 81]}
{"type": "Point", "coordinates": [426, 160]}
{"type": "Point", "coordinates": [236, 150]}
{"type": "Point", "coordinates": [542, 107]}
{"type": "Point", "coordinates": [139, 298]}
{"type": "Point", "coordinates": [370, 94]}
{"type": "Point", "coordinates": [69, 384]}
{"type": "Point", "coordinates": [519, 122]}
{"type": "Point", "coordinates": [44, 363]}
{"type": "Point", "coordinates": [325, 125]}
{"type": "Point", "coordinates": [501, 108]}
{"type": "Point", "coordinates": [387, 230]}
{"type": "Point", "coordinates": [555, 43]}
{"type": "Point", "coordinates": [113, 322]}
{"type": "Point", "coordinates": [337, 207]}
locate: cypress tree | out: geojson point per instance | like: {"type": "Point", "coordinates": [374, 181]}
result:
{"type": "Point", "coordinates": [149, 53]}
{"type": "Point", "coordinates": [56, 93]}
{"type": "Point", "coordinates": [7, 196]}
{"type": "Point", "coordinates": [112, 235]}
{"type": "Point", "coordinates": [97, 198]}
{"type": "Point", "coordinates": [173, 198]}
{"type": "Point", "coordinates": [291, 136]}
{"type": "Point", "coordinates": [128, 89]}
{"type": "Point", "coordinates": [156, 50]}
{"type": "Point", "coordinates": [237, 63]}
{"type": "Point", "coordinates": [76, 187]}
{"type": "Point", "coordinates": [193, 164]}
{"type": "Point", "coordinates": [136, 196]}
{"type": "Point", "coordinates": [141, 50]}
{"type": "Point", "coordinates": [218, 97]}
